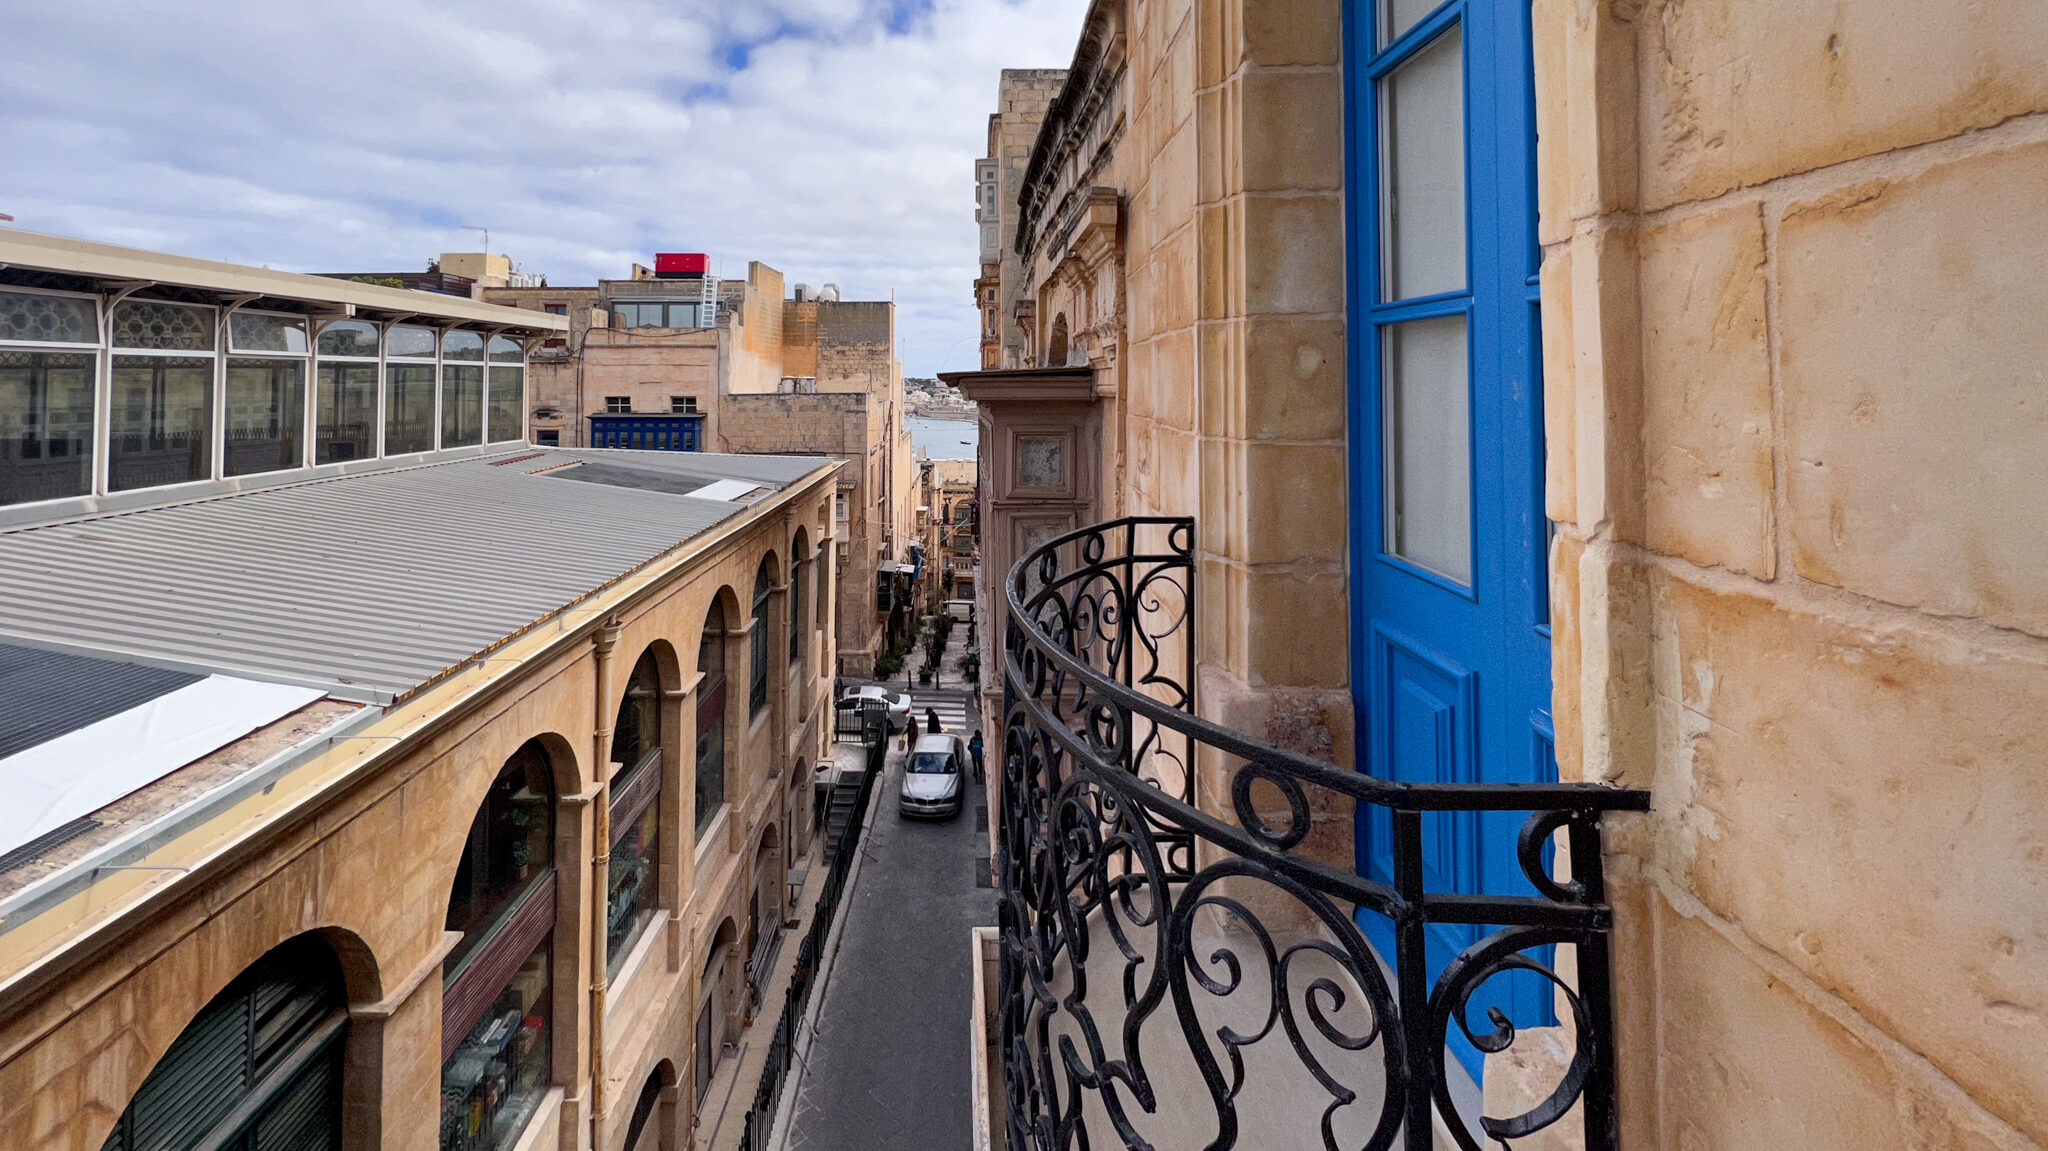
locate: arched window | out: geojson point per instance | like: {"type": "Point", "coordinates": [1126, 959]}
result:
{"type": "Point", "coordinates": [796, 601]}
{"type": "Point", "coordinates": [636, 812]}
{"type": "Point", "coordinates": [646, 1132]}
{"type": "Point", "coordinates": [757, 636]}
{"type": "Point", "coordinates": [259, 1066]}
{"type": "Point", "coordinates": [824, 583]}
{"type": "Point", "coordinates": [495, 993]}
{"type": "Point", "coordinates": [1056, 346]}
{"type": "Point", "coordinates": [711, 719]}
{"type": "Point", "coordinates": [710, 1035]}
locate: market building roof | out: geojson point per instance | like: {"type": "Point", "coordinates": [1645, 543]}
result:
{"type": "Point", "coordinates": [370, 584]}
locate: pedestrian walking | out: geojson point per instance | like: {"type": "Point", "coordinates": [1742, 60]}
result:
{"type": "Point", "coordinates": [974, 749]}
{"type": "Point", "coordinates": [931, 719]}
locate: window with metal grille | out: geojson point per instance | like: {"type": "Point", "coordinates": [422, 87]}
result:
{"type": "Point", "coordinates": [796, 605]}
{"type": "Point", "coordinates": [757, 689]}
{"type": "Point", "coordinates": [258, 1069]}
{"type": "Point", "coordinates": [711, 719]}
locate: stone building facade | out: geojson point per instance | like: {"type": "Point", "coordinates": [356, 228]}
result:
{"type": "Point", "coordinates": [1022, 96]}
{"type": "Point", "coordinates": [1775, 265]}
{"type": "Point", "coordinates": [948, 524]}
{"type": "Point", "coordinates": [347, 860]}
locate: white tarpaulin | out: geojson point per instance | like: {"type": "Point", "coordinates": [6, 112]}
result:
{"type": "Point", "coordinates": [79, 772]}
{"type": "Point", "coordinates": [727, 490]}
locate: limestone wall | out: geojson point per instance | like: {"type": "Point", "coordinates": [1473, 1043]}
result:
{"type": "Point", "coordinates": [1795, 382]}
{"type": "Point", "coordinates": [372, 868]}
{"type": "Point", "coordinates": [851, 427]}
{"type": "Point", "coordinates": [1225, 387]}
{"type": "Point", "coordinates": [1021, 98]}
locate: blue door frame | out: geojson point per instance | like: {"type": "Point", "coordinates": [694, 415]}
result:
{"type": "Point", "coordinates": [1451, 676]}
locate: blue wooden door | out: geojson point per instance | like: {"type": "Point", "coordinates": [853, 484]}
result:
{"type": "Point", "coordinates": [1451, 646]}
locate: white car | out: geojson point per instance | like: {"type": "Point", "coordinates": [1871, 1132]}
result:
{"type": "Point", "coordinates": [896, 704]}
{"type": "Point", "coordinates": [933, 778]}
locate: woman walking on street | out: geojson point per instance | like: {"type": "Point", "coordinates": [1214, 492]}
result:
{"type": "Point", "coordinates": [931, 719]}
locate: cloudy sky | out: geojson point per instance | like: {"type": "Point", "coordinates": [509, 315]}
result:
{"type": "Point", "coordinates": [833, 139]}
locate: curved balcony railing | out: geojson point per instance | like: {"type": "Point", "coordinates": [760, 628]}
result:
{"type": "Point", "coordinates": [1188, 954]}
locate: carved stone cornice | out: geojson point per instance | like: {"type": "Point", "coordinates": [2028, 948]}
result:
{"type": "Point", "coordinates": [1093, 81]}
{"type": "Point", "coordinates": [1026, 385]}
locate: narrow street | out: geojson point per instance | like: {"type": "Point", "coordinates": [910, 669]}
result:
{"type": "Point", "coordinates": [890, 1066]}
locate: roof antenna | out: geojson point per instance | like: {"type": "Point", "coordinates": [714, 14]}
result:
{"type": "Point", "coordinates": [485, 231]}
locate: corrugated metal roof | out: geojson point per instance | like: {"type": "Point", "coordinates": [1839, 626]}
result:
{"type": "Point", "coordinates": [367, 584]}
{"type": "Point", "coordinates": [45, 694]}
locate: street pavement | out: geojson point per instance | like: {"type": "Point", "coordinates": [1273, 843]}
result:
{"type": "Point", "coordinates": [889, 1070]}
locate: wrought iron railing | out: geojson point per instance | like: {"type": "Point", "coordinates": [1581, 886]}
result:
{"type": "Point", "coordinates": [1185, 965]}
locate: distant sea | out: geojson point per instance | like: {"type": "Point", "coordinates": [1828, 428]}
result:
{"type": "Point", "coordinates": [944, 439]}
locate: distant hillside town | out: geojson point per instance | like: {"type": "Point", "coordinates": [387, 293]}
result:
{"type": "Point", "coordinates": [935, 400]}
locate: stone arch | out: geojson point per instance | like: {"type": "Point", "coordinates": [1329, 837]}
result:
{"type": "Point", "coordinates": [1056, 344]}
{"type": "Point", "coordinates": [668, 677]}
{"type": "Point", "coordinates": [360, 974]}
{"type": "Point", "coordinates": [724, 608]}
{"type": "Point", "coordinates": [765, 897]}
{"type": "Point", "coordinates": [564, 778]}
{"type": "Point", "coordinates": [716, 1008]}
{"type": "Point", "coordinates": [304, 981]}
{"type": "Point", "coordinates": [564, 764]}
{"type": "Point", "coordinates": [653, 1126]}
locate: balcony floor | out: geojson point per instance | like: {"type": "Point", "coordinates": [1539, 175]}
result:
{"type": "Point", "coordinates": [1280, 1105]}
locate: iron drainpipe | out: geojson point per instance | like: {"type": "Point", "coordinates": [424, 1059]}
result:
{"type": "Point", "coordinates": [600, 867]}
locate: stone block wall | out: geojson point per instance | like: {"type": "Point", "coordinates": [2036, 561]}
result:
{"type": "Point", "coordinates": [1232, 177]}
{"type": "Point", "coordinates": [850, 427]}
{"type": "Point", "coordinates": [1793, 262]}
{"type": "Point", "coordinates": [1183, 219]}
{"type": "Point", "coordinates": [856, 346]}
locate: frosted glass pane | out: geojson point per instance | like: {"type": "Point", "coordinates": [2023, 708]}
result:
{"type": "Point", "coordinates": [1422, 185]}
{"type": "Point", "coordinates": [1397, 16]}
{"type": "Point", "coordinates": [1428, 449]}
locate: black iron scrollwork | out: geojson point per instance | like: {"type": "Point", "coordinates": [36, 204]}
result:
{"type": "Point", "coordinates": [1179, 968]}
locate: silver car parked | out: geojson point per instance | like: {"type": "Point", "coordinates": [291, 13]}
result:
{"type": "Point", "coordinates": [934, 778]}
{"type": "Point", "coordinates": [895, 703]}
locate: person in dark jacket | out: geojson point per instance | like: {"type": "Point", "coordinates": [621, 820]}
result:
{"type": "Point", "coordinates": [931, 721]}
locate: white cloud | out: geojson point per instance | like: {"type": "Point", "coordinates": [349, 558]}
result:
{"type": "Point", "coordinates": [587, 135]}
